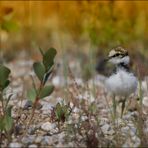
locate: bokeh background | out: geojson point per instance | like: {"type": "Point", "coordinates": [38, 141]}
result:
{"type": "Point", "coordinates": [90, 27]}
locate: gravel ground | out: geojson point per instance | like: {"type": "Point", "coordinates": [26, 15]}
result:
{"type": "Point", "coordinates": [44, 132]}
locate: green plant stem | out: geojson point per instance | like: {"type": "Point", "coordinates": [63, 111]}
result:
{"type": "Point", "coordinates": [59, 126]}
{"type": "Point", "coordinates": [107, 102]}
{"type": "Point", "coordinates": [35, 104]}
{"type": "Point", "coordinates": [140, 92]}
{"type": "Point", "coordinates": [33, 110]}
{"type": "Point", "coordinates": [2, 102]}
{"type": "Point", "coordinates": [33, 83]}
{"type": "Point", "coordinates": [6, 104]}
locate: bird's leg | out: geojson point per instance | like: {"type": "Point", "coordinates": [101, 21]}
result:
{"type": "Point", "coordinates": [123, 106]}
{"type": "Point", "coordinates": [114, 106]}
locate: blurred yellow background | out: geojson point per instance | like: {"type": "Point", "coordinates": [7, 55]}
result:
{"type": "Point", "coordinates": [74, 25]}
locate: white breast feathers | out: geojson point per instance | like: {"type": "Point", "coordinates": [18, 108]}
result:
{"type": "Point", "coordinates": [122, 83]}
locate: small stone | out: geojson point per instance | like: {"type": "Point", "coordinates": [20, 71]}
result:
{"type": "Point", "coordinates": [144, 86]}
{"type": "Point", "coordinates": [105, 111]}
{"type": "Point", "coordinates": [33, 146]}
{"type": "Point", "coordinates": [70, 144]}
{"type": "Point", "coordinates": [27, 105]}
{"type": "Point", "coordinates": [127, 116]}
{"type": "Point", "coordinates": [28, 139]}
{"type": "Point", "coordinates": [133, 129]}
{"type": "Point", "coordinates": [125, 145]}
{"type": "Point", "coordinates": [47, 126]}
{"type": "Point", "coordinates": [105, 128]}
{"type": "Point", "coordinates": [46, 107]}
{"type": "Point", "coordinates": [145, 101]}
{"type": "Point", "coordinates": [31, 130]}
{"type": "Point", "coordinates": [60, 100]}
{"type": "Point", "coordinates": [103, 121]}
{"type": "Point", "coordinates": [136, 141]}
{"type": "Point", "coordinates": [17, 130]}
{"type": "Point", "coordinates": [15, 145]}
{"type": "Point", "coordinates": [61, 137]}
{"type": "Point", "coordinates": [111, 132]}
{"type": "Point", "coordinates": [120, 122]}
{"type": "Point", "coordinates": [23, 117]}
{"type": "Point", "coordinates": [146, 131]}
{"type": "Point", "coordinates": [76, 110]}
{"type": "Point", "coordinates": [79, 81]}
{"type": "Point", "coordinates": [125, 129]}
{"type": "Point", "coordinates": [58, 81]}
{"type": "Point", "coordinates": [47, 140]}
{"type": "Point", "coordinates": [71, 105]}
{"type": "Point", "coordinates": [130, 125]}
{"type": "Point", "coordinates": [22, 103]}
{"type": "Point", "coordinates": [84, 118]}
{"type": "Point", "coordinates": [14, 96]}
{"type": "Point", "coordinates": [38, 139]}
{"type": "Point", "coordinates": [59, 145]}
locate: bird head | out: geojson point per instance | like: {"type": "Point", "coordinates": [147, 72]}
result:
{"type": "Point", "coordinates": [118, 55]}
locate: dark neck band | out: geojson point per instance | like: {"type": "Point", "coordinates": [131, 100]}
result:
{"type": "Point", "coordinates": [124, 66]}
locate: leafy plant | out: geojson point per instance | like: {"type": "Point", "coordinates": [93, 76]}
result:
{"type": "Point", "coordinates": [6, 120]}
{"type": "Point", "coordinates": [61, 112]}
{"type": "Point", "coordinates": [42, 70]}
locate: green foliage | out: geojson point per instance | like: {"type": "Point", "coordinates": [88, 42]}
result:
{"type": "Point", "coordinates": [2, 124]}
{"type": "Point", "coordinates": [140, 94]}
{"type": "Point", "coordinates": [32, 94]}
{"type": "Point", "coordinates": [4, 74]}
{"type": "Point", "coordinates": [48, 58]}
{"type": "Point", "coordinates": [43, 71]}
{"type": "Point", "coordinates": [6, 120]}
{"type": "Point", "coordinates": [46, 91]}
{"type": "Point", "coordinates": [39, 70]}
{"type": "Point", "coordinates": [62, 112]}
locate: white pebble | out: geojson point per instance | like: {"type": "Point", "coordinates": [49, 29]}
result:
{"type": "Point", "coordinates": [15, 144]}
{"type": "Point", "coordinates": [47, 126]}
{"type": "Point", "coordinates": [105, 128]}
{"type": "Point", "coordinates": [33, 146]}
{"type": "Point", "coordinates": [145, 101]}
{"type": "Point", "coordinates": [21, 103]}
{"type": "Point", "coordinates": [58, 81]}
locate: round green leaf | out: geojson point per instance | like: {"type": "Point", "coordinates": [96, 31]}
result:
{"type": "Point", "coordinates": [46, 91]}
{"type": "Point", "coordinates": [48, 58]}
{"type": "Point", "coordinates": [6, 84]}
{"type": "Point", "coordinates": [32, 94]}
{"type": "Point", "coordinates": [4, 74]}
{"type": "Point", "coordinates": [39, 70]}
